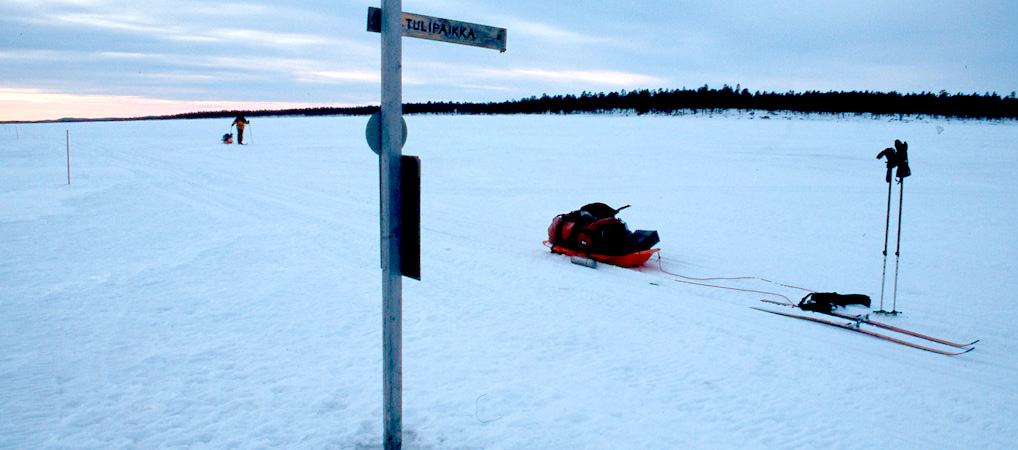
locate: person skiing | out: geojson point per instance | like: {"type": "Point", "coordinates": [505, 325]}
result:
{"type": "Point", "coordinates": [240, 121]}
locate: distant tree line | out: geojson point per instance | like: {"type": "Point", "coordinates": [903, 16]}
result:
{"type": "Point", "coordinates": [662, 101]}
{"type": "Point", "coordinates": [987, 106]}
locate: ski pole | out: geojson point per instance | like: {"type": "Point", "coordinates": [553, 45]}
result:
{"type": "Point", "coordinates": [250, 132]}
{"type": "Point", "coordinates": [897, 250]}
{"type": "Point", "coordinates": [887, 231]}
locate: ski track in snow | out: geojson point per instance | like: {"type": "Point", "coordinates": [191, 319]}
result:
{"type": "Point", "coordinates": [184, 293]}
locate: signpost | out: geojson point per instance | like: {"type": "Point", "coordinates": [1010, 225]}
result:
{"type": "Point", "coordinates": [400, 183]}
{"type": "Point", "coordinates": [445, 30]}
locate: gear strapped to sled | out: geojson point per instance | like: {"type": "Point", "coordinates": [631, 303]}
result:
{"type": "Point", "coordinates": [595, 231]}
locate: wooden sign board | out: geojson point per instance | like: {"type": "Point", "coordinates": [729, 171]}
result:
{"type": "Point", "coordinates": [445, 30]}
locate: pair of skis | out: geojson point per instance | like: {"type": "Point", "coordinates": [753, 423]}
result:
{"type": "Point", "coordinates": [856, 322]}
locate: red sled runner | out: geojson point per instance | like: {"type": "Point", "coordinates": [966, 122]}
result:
{"type": "Point", "coordinates": [594, 232]}
{"type": "Point", "coordinates": [631, 260]}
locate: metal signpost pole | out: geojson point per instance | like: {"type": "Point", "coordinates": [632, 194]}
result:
{"type": "Point", "coordinates": [399, 177]}
{"type": "Point", "coordinates": [389, 166]}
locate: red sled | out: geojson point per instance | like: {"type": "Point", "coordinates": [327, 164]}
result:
{"type": "Point", "coordinates": [635, 259]}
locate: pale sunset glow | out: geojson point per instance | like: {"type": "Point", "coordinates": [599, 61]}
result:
{"type": "Point", "coordinates": [34, 104]}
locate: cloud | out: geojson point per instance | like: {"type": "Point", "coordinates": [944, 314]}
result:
{"type": "Point", "coordinates": [120, 22]}
{"type": "Point", "coordinates": [486, 87]}
{"type": "Point", "coordinates": [548, 33]}
{"type": "Point", "coordinates": [34, 55]}
{"type": "Point", "coordinates": [599, 77]}
{"type": "Point", "coordinates": [175, 22]}
{"type": "Point", "coordinates": [325, 76]}
{"type": "Point", "coordinates": [149, 27]}
{"type": "Point", "coordinates": [202, 68]}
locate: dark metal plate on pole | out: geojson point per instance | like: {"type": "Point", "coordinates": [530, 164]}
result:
{"type": "Point", "coordinates": [373, 132]}
{"type": "Point", "coordinates": [410, 217]}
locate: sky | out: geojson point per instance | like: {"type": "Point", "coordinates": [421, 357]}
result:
{"type": "Point", "coordinates": [111, 58]}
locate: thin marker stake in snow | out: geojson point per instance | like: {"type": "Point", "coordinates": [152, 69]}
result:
{"type": "Point", "coordinates": [68, 132]}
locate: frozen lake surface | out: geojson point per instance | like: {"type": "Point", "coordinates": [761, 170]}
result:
{"type": "Point", "coordinates": [185, 293]}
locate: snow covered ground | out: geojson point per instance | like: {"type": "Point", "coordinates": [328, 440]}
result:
{"type": "Point", "coordinates": [184, 293]}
